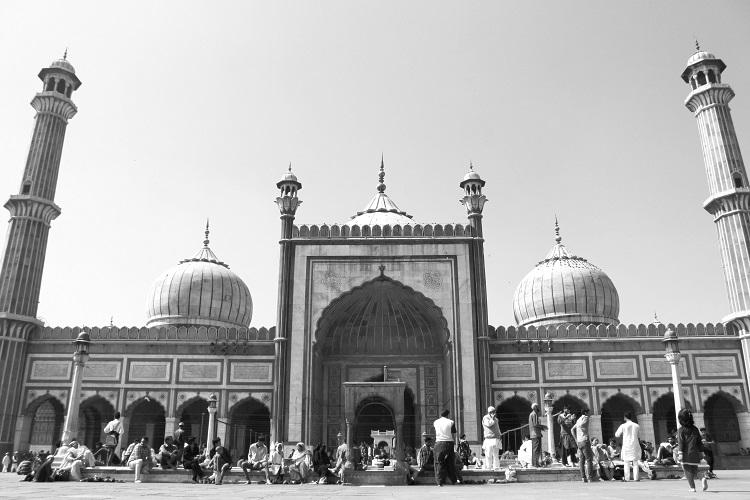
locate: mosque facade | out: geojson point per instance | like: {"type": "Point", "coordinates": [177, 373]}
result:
{"type": "Point", "coordinates": [382, 321]}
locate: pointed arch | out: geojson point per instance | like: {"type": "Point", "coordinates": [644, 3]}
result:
{"type": "Point", "coordinates": [612, 411]}
{"type": "Point", "coordinates": [146, 417]}
{"type": "Point", "coordinates": [93, 414]}
{"type": "Point", "coordinates": [47, 415]}
{"type": "Point", "coordinates": [720, 415]}
{"type": "Point", "coordinates": [381, 316]}
{"type": "Point", "coordinates": [249, 419]}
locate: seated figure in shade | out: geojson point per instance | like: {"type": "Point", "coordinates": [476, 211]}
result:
{"type": "Point", "coordinates": [168, 454]}
{"type": "Point", "coordinates": [601, 461]}
{"type": "Point", "coordinates": [220, 459]}
{"type": "Point", "coordinates": [425, 460]}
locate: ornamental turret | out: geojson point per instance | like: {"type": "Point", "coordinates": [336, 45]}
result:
{"type": "Point", "coordinates": [473, 198]}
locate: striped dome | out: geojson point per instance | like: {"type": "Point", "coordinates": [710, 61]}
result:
{"type": "Point", "coordinates": [200, 291]}
{"type": "Point", "coordinates": [564, 288]}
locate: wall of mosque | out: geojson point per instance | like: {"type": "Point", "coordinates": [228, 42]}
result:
{"type": "Point", "coordinates": [604, 368]}
{"type": "Point", "coordinates": [155, 378]}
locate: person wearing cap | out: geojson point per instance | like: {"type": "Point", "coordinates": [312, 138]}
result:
{"type": "Point", "coordinates": [425, 459]}
{"type": "Point", "coordinates": [491, 444]}
{"type": "Point", "coordinates": [535, 433]}
{"type": "Point", "coordinates": [445, 454]}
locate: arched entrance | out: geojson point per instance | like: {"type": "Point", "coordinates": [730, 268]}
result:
{"type": "Point", "coordinates": [46, 424]}
{"type": "Point", "coordinates": [613, 411]}
{"type": "Point", "coordinates": [93, 415]}
{"type": "Point", "coordinates": [145, 417]}
{"type": "Point", "coordinates": [248, 420]}
{"type": "Point", "coordinates": [513, 413]}
{"type": "Point", "coordinates": [194, 415]}
{"type": "Point", "coordinates": [372, 414]}
{"type": "Point", "coordinates": [665, 420]}
{"type": "Point", "coordinates": [381, 327]}
{"type": "Point", "coordinates": [575, 406]}
{"type": "Point", "coordinates": [720, 414]}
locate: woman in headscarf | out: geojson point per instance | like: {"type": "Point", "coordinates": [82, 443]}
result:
{"type": "Point", "coordinates": [300, 468]}
{"type": "Point", "coordinates": [690, 449]}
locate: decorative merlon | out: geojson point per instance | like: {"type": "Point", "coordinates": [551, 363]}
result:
{"type": "Point", "coordinates": [337, 231]}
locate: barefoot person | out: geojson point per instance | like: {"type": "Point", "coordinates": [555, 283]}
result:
{"type": "Point", "coordinates": [257, 459]}
{"type": "Point", "coordinates": [690, 448]}
{"type": "Point", "coordinates": [631, 447]}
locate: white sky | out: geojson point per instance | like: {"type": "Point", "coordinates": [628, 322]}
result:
{"type": "Point", "coordinates": [191, 110]}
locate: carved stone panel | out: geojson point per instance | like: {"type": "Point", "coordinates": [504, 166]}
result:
{"type": "Point", "coordinates": [514, 370]}
{"type": "Point", "coordinates": [716, 366]}
{"type": "Point", "coordinates": [102, 370]}
{"type": "Point", "coordinates": [616, 368]}
{"type": "Point", "coordinates": [149, 371]}
{"type": "Point", "coordinates": [660, 368]}
{"type": "Point", "coordinates": [565, 369]}
{"type": "Point", "coordinates": [252, 372]}
{"type": "Point", "coordinates": [51, 370]}
{"type": "Point", "coordinates": [206, 371]}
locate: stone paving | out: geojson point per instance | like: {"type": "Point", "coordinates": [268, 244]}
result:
{"type": "Point", "coordinates": [732, 484]}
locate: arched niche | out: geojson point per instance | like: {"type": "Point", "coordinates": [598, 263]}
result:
{"type": "Point", "coordinates": [613, 411]}
{"type": "Point", "coordinates": [47, 417]}
{"type": "Point", "coordinates": [248, 420]}
{"type": "Point", "coordinates": [146, 417]}
{"type": "Point", "coordinates": [193, 414]}
{"type": "Point", "coordinates": [574, 404]}
{"type": "Point", "coordinates": [513, 418]}
{"type": "Point", "coordinates": [720, 415]}
{"type": "Point", "coordinates": [93, 414]}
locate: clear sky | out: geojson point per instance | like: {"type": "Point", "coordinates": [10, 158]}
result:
{"type": "Point", "coordinates": [191, 110]}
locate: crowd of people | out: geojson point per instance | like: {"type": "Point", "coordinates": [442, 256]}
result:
{"type": "Point", "coordinates": [623, 457]}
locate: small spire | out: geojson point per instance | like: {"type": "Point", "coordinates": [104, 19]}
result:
{"type": "Point", "coordinates": [381, 176]}
{"type": "Point", "coordinates": [290, 167]}
{"type": "Point", "coordinates": [697, 46]}
{"type": "Point", "coordinates": [656, 319]}
{"type": "Point", "coordinates": [471, 166]}
{"type": "Point", "coordinates": [65, 54]}
{"type": "Point", "coordinates": [205, 242]}
{"type": "Point", "coordinates": [558, 238]}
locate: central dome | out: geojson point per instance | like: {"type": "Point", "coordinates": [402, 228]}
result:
{"type": "Point", "coordinates": [200, 291]}
{"type": "Point", "coordinates": [564, 288]}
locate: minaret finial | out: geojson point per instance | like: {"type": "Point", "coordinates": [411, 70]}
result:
{"type": "Point", "coordinates": [65, 54]}
{"type": "Point", "coordinates": [558, 238]}
{"type": "Point", "coordinates": [697, 46]}
{"type": "Point", "coordinates": [381, 175]}
{"type": "Point", "coordinates": [205, 242]}
{"type": "Point", "coordinates": [290, 166]}
{"type": "Point", "coordinates": [471, 165]}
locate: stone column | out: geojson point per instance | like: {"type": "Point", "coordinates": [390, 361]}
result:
{"type": "Point", "coordinates": [169, 426]}
{"type": "Point", "coordinates": [349, 438]}
{"type": "Point", "coordinates": [71, 418]}
{"type": "Point", "coordinates": [743, 419]}
{"type": "Point", "coordinates": [550, 431]}
{"type": "Point", "coordinates": [211, 427]}
{"type": "Point", "coordinates": [646, 424]}
{"type": "Point", "coordinates": [595, 427]}
{"type": "Point", "coordinates": [699, 420]}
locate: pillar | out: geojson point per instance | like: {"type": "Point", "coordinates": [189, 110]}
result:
{"type": "Point", "coordinates": [595, 427]}
{"type": "Point", "coordinates": [646, 424]}
{"type": "Point", "coordinates": [168, 426]}
{"type": "Point", "coordinates": [71, 417]}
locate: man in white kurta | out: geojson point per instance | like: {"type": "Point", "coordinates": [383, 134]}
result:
{"type": "Point", "coordinates": [631, 447]}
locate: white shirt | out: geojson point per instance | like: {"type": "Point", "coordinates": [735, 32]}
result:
{"type": "Point", "coordinates": [113, 426]}
{"type": "Point", "coordinates": [444, 429]}
{"type": "Point", "coordinates": [631, 448]}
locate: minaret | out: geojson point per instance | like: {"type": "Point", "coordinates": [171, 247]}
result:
{"type": "Point", "coordinates": [474, 201]}
{"type": "Point", "coordinates": [31, 212]}
{"type": "Point", "coordinates": [729, 195]}
{"type": "Point", "coordinates": [288, 203]}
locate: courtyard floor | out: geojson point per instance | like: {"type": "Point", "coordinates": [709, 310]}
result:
{"type": "Point", "coordinates": [732, 484]}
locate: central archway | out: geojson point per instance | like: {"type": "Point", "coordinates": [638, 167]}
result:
{"type": "Point", "coordinates": [382, 331]}
{"type": "Point", "coordinates": [613, 411]}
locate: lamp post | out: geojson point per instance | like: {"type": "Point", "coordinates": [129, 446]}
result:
{"type": "Point", "coordinates": [80, 357]}
{"type": "Point", "coordinates": [548, 400]}
{"type": "Point", "coordinates": [673, 355]}
{"type": "Point", "coordinates": [212, 400]}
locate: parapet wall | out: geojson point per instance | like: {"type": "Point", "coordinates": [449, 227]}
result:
{"type": "Point", "coordinates": [607, 331]}
{"type": "Point", "coordinates": [171, 333]}
{"type": "Point", "coordinates": [335, 231]}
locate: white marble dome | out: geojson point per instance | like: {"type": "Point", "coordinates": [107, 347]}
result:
{"type": "Point", "coordinates": [564, 288]}
{"type": "Point", "coordinates": [200, 291]}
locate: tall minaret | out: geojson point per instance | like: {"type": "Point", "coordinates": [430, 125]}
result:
{"type": "Point", "coordinates": [474, 201]}
{"type": "Point", "coordinates": [31, 211]}
{"type": "Point", "coordinates": [288, 202]}
{"type": "Point", "coordinates": [729, 193]}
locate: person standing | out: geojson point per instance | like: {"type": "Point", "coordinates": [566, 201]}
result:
{"type": "Point", "coordinates": [585, 454]}
{"type": "Point", "coordinates": [445, 454]}
{"type": "Point", "coordinates": [690, 448]}
{"type": "Point", "coordinates": [631, 447]}
{"type": "Point", "coordinates": [708, 452]}
{"type": "Point", "coordinates": [535, 433]}
{"type": "Point", "coordinates": [568, 444]}
{"type": "Point", "coordinates": [180, 439]}
{"type": "Point", "coordinates": [491, 444]}
{"type": "Point", "coordinates": [6, 462]}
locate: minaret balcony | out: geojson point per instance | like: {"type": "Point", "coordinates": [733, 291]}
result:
{"type": "Point", "coordinates": [32, 207]}
{"type": "Point", "coordinates": [728, 202]}
{"type": "Point", "coordinates": [710, 94]}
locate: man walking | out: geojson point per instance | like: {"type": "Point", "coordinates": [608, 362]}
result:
{"type": "Point", "coordinates": [631, 447]}
{"type": "Point", "coordinates": [535, 433]}
{"type": "Point", "coordinates": [445, 454]}
{"type": "Point", "coordinates": [585, 454]}
{"type": "Point", "coordinates": [491, 444]}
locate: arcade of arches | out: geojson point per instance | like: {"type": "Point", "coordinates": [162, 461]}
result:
{"type": "Point", "coordinates": [381, 331]}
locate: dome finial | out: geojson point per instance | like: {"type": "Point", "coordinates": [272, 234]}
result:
{"type": "Point", "coordinates": [381, 175]}
{"type": "Point", "coordinates": [65, 54]}
{"type": "Point", "coordinates": [290, 167]}
{"type": "Point", "coordinates": [697, 46]}
{"type": "Point", "coordinates": [205, 242]}
{"type": "Point", "coordinates": [558, 238]}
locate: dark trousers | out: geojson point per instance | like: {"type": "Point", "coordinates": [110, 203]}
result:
{"type": "Point", "coordinates": [445, 462]}
{"type": "Point", "coordinates": [536, 451]}
{"type": "Point", "coordinates": [709, 454]}
{"type": "Point", "coordinates": [195, 466]}
{"type": "Point", "coordinates": [585, 454]}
